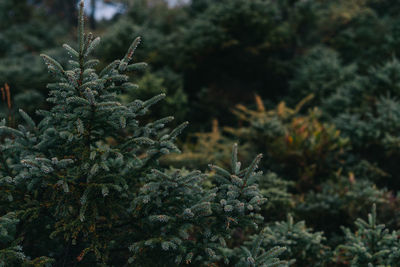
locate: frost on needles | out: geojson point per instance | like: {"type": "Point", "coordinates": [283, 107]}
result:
{"type": "Point", "coordinates": [83, 186]}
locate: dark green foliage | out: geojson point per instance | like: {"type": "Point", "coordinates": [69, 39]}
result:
{"type": "Point", "coordinates": [86, 188]}
{"type": "Point", "coordinates": [231, 46]}
{"type": "Point", "coordinates": [371, 245]}
{"type": "Point", "coordinates": [24, 32]}
{"type": "Point", "coordinates": [277, 191]}
{"type": "Point", "coordinates": [88, 181]}
{"type": "Point", "coordinates": [75, 166]}
{"type": "Point", "coordinates": [321, 73]}
{"type": "Point", "coordinates": [222, 50]}
{"type": "Point", "coordinates": [257, 256]}
{"type": "Point", "coordinates": [184, 222]}
{"type": "Point", "coordinates": [11, 253]}
{"type": "Point", "coordinates": [340, 203]}
{"type": "Point", "coordinates": [364, 107]}
{"type": "Point", "coordinates": [301, 243]}
{"type": "Point", "coordinates": [299, 147]}
{"type": "Point", "coordinates": [159, 27]}
{"type": "Point", "coordinates": [150, 85]}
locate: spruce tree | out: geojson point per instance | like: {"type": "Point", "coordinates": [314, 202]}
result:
{"type": "Point", "coordinates": [84, 185]}
{"type": "Point", "coordinates": [303, 245]}
{"type": "Point", "coordinates": [184, 222]}
{"type": "Point", "coordinates": [371, 245]}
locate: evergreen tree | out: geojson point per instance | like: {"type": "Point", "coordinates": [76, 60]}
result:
{"type": "Point", "coordinates": [302, 245]}
{"type": "Point", "coordinates": [85, 184]}
{"type": "Point", "coordinates": [257, 256]}
{"type": "Point", "coordinates": [175, 213]}
{"type": "Point", "coordinates": [298, 147]}
{"type": "Point", "coordinates": [371, 245]}
{"type": "Point", "coordinates": [340, 202]}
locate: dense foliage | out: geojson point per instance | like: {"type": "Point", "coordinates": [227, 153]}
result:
{"type": "Point", "coordinates": [88, 172]}
{"type": "Point", "coordinates": [95, 177]}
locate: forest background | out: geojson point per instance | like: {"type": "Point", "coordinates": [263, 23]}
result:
{"type": "Point", "coordinates": [313, 85]}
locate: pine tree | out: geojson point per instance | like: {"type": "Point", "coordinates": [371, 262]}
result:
{"type": "Point", "coordinates": [303, 245]}
{"type": "Point", "coordinates": [85, 184]}
{"type": "Point", "coordinates": [257, 256]}
{"type": "Point", "coordinates": [187, 223]}
{"type": "Point", "coordinates": [80, 163]}
{"type": "Point", "coordinates": [340, 202]}
{"type": "Point", "coordinates": [298, 147]}
{"type": "Point", "coordinates": [371, 245]}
